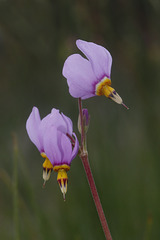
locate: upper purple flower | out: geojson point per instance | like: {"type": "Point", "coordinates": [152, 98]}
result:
{"type": "Point", "coordinates": [90, 77]}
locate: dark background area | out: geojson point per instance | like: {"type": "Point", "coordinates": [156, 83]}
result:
{"type": "Point", "coordinates": [35, 39]}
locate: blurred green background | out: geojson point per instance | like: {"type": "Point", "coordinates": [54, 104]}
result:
{"type": "Point", "coordinates": [35, 39]}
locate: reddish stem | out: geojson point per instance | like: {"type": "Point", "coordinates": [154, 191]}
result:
{"type": "Point", "coordinates": [84, 157]}
{"type": "Point", "coordinates": [81, 122]}
{"type": "Point", "coordinates": [95, 195]}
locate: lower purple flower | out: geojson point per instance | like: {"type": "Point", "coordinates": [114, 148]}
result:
{"type": "Point", "coordinates": [52, 136]}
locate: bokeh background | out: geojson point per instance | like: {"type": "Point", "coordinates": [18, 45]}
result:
{"type": "Point", "coordinates": [35, 39]}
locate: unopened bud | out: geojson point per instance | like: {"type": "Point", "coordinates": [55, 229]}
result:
{"type": "Point", "coordinates": [85, 119]}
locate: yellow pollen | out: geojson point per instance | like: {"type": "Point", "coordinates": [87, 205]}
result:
{"type": "Point", "coordinates": [99, 87]}
{"type": "Point", "coordinates": [63, 166]}
{"type": "Point", "coordinates": [43, 155]}
{"type": "Point", "coordinates": [47, 168]}
{"type": "Point", "coordinates": [104, 88]}
{"type": "Point", "coordinates": [47, 164]}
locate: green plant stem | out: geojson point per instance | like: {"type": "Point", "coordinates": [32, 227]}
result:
{"type": "Point", "coordinates": [84, 157]}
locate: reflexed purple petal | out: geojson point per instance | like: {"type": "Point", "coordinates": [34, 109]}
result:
{"type": "Point", "coordinates": [51, 145]}
{"type": "Point", "coordinates": [45, 124]}
{"type": "Point", "coordinates": [76, 148]}
{"type": "Point", "coordinates": [59, 121]}
{"type": "Point", "coordinates": [89, 96]}
{"type": "Point", "coordinates": [79, 93]}
{"type": "Point", "coordinates": [54, 111]}
{"type": "Point", "coordinates": [66, 148]}
{"type": "Point", "coordinates": [32, 126]}
{"type": "Point", "coordinates": [80, 76]}
{"type": "Point", "coordinates": [53, 119]}
{"type": "Point", "coordinates": [69, 124]}
{"type": "Point", "coordinates": [99, 57]}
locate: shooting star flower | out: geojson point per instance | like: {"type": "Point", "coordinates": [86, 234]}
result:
{"type": "Point", "coordinates": [52, 136]}
{"type": "Point", "coordinates": [90, 77]}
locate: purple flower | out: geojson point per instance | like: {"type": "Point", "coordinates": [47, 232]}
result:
{"type": "Point", "coordinates": [90, 77]}
{"type": "Point", "coordinates": [52, 136]}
